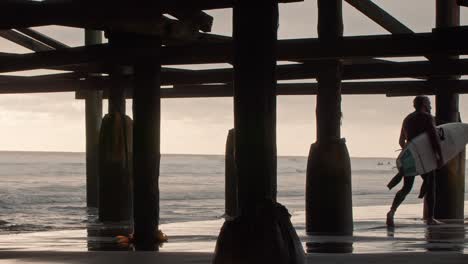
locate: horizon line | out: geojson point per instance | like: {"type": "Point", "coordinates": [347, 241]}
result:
{"type": "Point", "coordinates": [176, 154]}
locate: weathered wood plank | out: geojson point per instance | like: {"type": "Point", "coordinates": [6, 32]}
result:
{"type": "Point", "coordinates": [380, 16]}
{"type": "Point", "coordinates": [202, 20]}
{"type": "Point", "coordinates": [24, 40]}
{"type": "Point", "coordinates": [171, 76]}
{"type": "Point", "coordinates": [95, 14]}
{"type": "Point", "coordinates": [406, 45]}
{"type": "Point", "coordinates": [394, 88]}
{"type": "Point", "coordinates": [462, 2]}
{"type": "Point", "coordinates": [42, 38]}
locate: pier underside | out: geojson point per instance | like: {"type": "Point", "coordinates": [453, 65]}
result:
{"type": "Point", "coordinates": [148, 45]}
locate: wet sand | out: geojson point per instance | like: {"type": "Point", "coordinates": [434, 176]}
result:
{"type": "Point", "coordinates": [410, 242]}
{"type": "Point", "coordinates": [205, 258]}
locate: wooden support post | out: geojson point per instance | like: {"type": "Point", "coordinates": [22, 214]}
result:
{"type": "Point", "coordinates": [255, 102]}
{"type": "Point", "coordinates": [450, 180]}
{"type": "Point", "coordinates": [328, 187]}
{"type": "Point", "coordinates": [231, 203]}
{"type": "Point", "coordinates": [271, 237]}
{"type": "Point", "coordinates": [93, 117]}
{"type": "Point", "coordinates": [147, 123]}
{"type": "Point", "coordinates": [115, 150]}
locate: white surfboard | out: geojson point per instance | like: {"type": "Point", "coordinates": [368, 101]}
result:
{"type": "Point", "coordinates": [418, 156]}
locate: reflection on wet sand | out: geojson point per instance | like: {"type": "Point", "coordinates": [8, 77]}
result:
{"type": "Point", "coordinates": [447, 237]}
{"type": "Point", "coordinates": [371, 235]}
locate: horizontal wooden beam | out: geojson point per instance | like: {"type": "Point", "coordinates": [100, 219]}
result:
{"type": "Point", "coordinates": [393, 88]}
{"type": "Point", "coordinates": [463, 2]}
{"type": "Point", "coordinates": [97, 14]}
{"type": "Point", "coordinates": [453, 41]}
{"type": "Point", "coordinates": [202, 20]}
{"type": "Point", "coordinates": [397, 88]}
{"type": "Point", "coordinates": [360, 70]}
{"type": "Point", "coordinates": [44, 86]}
{"type": "Point", "coordinates": [417, 69]}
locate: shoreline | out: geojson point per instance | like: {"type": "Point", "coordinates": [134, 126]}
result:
{"type": "Point", "coordinates": [163, 222]}
{"type": "Point", "coordinates": [370, 235]}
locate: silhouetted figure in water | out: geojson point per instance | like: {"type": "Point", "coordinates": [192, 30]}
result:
{"type": "Point", "coordinates": [416, 123]}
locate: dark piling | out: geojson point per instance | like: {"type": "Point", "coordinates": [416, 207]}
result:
{"type": "Point", "coordinates": [450, 180]}
{"type": "Point", "coordinates": [93, 118]}
{"type": "Point", "coordinates": [231, 203]}
{"type": "Point", "coordinates": [328, 186]}
{"type": "Point", "coordinates": [146, 138]}
{"type": "Point", "coordinates": [262, 232]}
{"type": "Point", "coordinates": [116, 147]}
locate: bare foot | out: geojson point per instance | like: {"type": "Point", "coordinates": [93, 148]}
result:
{"type": "Point", "coordinates": [390, 222]}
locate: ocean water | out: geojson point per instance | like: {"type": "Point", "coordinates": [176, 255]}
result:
{"type": "Point", "coordinates": [41, 191]}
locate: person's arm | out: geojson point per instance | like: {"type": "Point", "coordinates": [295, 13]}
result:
{"type": "Point", "coordinates": [402, 140]}
{"type": "Point", "coordinates": [435, 142]}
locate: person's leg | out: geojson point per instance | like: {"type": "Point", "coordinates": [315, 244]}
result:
{"type": "Point", "coordinates": [429, 196]}
{"type": "Point", "coordinates": [399, 198]}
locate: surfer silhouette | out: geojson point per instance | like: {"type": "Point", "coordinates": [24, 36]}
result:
{"type": "Point", "coordinates": [416, 123]}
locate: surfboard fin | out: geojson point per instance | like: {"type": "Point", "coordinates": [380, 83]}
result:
{"type": "Point", "coordinates": [395, 181]}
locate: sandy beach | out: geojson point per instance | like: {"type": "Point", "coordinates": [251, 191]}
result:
{"type": "Point", "coordinates": [199, 258]}
{"type": "Point", "coordinates": [193, 242]}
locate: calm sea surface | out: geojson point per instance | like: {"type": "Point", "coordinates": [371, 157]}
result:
{"type": "Point", "coordinates": [46, 191]}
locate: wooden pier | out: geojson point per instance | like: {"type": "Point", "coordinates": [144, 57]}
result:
{"type": "Point", "coordinates": [149, 40]}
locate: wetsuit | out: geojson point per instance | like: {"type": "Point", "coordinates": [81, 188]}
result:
{"type": "Point", "coordinates": [415, 124]}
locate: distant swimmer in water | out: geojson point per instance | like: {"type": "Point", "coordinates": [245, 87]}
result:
{"type": "Point", "coordinates": [416, 123]}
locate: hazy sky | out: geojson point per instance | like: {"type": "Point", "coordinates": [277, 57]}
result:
{"type": "Point", "coordinates": [371, 124]}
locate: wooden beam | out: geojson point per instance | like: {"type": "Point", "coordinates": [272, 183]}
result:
{"type": "Point", "coordinates": [95, 14]}
{"type": "Point", "coordinates": [310, 71]}
{"type": "Point", "coordinates": [462, 2]}
{"type": "Point", "coordinates": [82, 15]}
{"type": "Point", "coordinates": [454, 41]}
{"type": "Point", "coordinates": [179, 77]}
{"type": "Point", "coordinates": [202, 20]}
{"type": "Point", "coordinates": [42, 38]}
{"type": "Point", "coordinates": [44, 86]}
{"type": "Point", "coordinates": [24, 40]}
{"type": "Point", "coordinates": [380, 16]}
{"type": "Point", "coordinates": [391, 88]}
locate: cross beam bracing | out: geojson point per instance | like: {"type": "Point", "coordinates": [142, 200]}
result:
{"type": "Point", "coordinates": [454, 42]}
{"type": "Point", "coordinates": [391, 88]}
{"type": "Point", "coordinates": [380, 16]}
{"type": "Point", "coordinates": [378, 70]}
